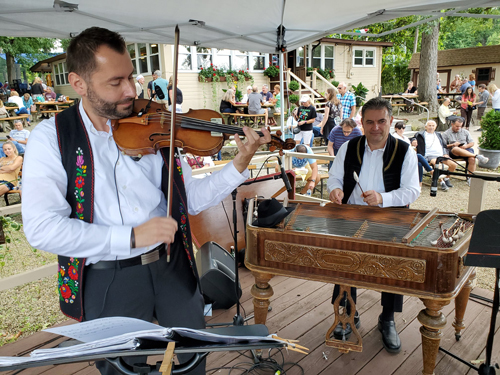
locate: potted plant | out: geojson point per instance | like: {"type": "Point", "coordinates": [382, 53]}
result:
{"type": "Point", "coordinates": [205, 75]}
{"type": "Point", "coordinates": [359, 91]}
{"type": "Point", "coordinates": [272, 71]}
{"type": "Point", "coordinates": [294, 99]}
{"type": "Point", "coordinates": [293, 86]}
{"type": "Point", "coordinates": [489, 141]}
{"type": "Point", "coordinates": [244, 75]}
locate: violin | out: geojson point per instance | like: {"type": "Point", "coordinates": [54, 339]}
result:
{"type": "Point", "coordinates": [200, 132]}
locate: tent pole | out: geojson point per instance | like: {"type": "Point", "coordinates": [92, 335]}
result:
{"type": "Point", "coordinates": [282, 90]}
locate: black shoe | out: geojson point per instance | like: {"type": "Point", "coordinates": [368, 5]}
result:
{"type": "Point", "coordinates": [340, 333]}
{"type": "Point", "coordinates": [390, 337]}
{"type": "Point", "coordinates": [448, 183]}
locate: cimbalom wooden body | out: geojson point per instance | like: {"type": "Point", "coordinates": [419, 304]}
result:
{"type": "Point", "coordinates": [397, 250]}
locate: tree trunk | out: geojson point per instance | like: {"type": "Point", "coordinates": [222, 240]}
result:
{"type": "Point", "coordinates": [428, 68]}
{"type": "Point", "coordinates": [11, 66]}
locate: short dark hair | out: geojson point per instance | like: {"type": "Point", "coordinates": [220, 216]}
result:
{"type": "Point", "coordinates": [81, 50]}
{"type": "Point", "coordinates": [376, 103]}
{"type": "Point", "coordinates": [399, 125]}
{"type": "Point", "coordinates": [458, 119]}
{"type": "Point", "coordinates": [482, 86]}
{"type": "Point", "coordinates": [301, 148]}
{"type": "Point", "coordinates": [349, 122]}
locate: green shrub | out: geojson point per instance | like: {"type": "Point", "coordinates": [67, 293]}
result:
{"type": "Point", "coordinates": [335, 83]}
{"type": "Point", "coordinates": [361, 91]}
{"type": "Point", "coordinates": [293, 99]}
{"type": "Point", "coordinates": [294, 85]}
{"type": "Point", "coordinates": [490, 138]}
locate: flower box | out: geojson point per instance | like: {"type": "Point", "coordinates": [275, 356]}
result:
{"type": "Point", "coordinates": [200, 78]}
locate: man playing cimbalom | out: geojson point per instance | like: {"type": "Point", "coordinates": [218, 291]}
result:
{"type": "Point", "coordinates": [388, 175]}
{"type": "Point", "coordinates": [105, 213]}
{"type": "Point", "coordinates": [348, 101]}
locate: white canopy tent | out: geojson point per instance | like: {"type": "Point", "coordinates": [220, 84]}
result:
{"type": "Point", "coordinates": [229, 24]}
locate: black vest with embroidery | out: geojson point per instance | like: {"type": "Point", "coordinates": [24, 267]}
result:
{"type": "Point", "coordinates": [394, 155]}
{"type": "Point", "coordinates": [77, 159]}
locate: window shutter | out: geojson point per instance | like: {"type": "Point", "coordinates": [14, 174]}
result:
{"type": "Point", "coordinates": [492, 75]}
{"type": "Point", "coordinates": [474, 71]}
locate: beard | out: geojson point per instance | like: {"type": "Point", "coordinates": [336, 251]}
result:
{"type": "Point", "coordinates": [106, 109]}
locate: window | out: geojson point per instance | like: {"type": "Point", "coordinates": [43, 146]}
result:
{"type": "Point", "coordinates": [222, 58]}
{"type": "Point", "coordinates": [316, 57]}
{"type": "Point", "coordinates": [61, 74]}
{"type": "Point", "coordinates": [329, 58]}
{"type": "Point", "coordinates": [321, 57]}
{"type": "Point", "coordinates": [364, 57]}
{"type": "Point", "coordinates": [300, 57]}
{"type": "Point", "coordinates": [145, 57]}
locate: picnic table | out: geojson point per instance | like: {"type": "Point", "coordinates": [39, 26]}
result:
{"type": "Point", "coordinates": [52, 103]}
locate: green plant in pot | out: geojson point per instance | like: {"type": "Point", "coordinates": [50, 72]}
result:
{"type": "Point", "coordinates": [359, 91]}
{"type": "Point", "coordinates": [294, 99]}
{"type": "Point", "coordinates": [293, 86]}
{"type": "Point", "coordinates": [272, 71]}
{"type": "Point", "coordinates": [489, 141]}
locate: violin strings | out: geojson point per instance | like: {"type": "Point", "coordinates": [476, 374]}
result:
{"type": "Point", "coordinates": [203, 124]}
{"type": "Point", "coordinates": [167, 115]}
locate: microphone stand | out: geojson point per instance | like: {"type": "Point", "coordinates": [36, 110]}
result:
{"type": "Point", "coordinates": [238, 320]}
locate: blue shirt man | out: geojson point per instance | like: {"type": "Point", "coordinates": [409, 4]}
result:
{"type": "Point", "coordinates": [162, 83]}
{"type": "Point", "coordinates": [348, 101]}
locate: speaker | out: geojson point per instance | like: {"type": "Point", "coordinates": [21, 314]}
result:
{"type": "Point", "coordinates": [218, 276]}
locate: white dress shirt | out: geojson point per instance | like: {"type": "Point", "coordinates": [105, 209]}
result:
{"type": "Point", "coordinates": [128, 193]}
{"type": "Point", "coordinates": [372, 178]}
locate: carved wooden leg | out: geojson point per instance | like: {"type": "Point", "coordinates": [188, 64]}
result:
{"type": "Point", "coordinates": [261, 292]}
{"type": "Point", "coordinates": [433, 321]}
{"type": "Point", "coordinates": [461, 304]}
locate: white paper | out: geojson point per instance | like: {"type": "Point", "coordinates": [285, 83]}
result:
{"type": "Point", "coordinates": [103, 328]}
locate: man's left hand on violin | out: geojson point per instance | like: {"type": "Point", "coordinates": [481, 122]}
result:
{"type": "Point", "coordinates": [248, 149]}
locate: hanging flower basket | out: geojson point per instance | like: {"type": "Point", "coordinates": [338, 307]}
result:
{"type": "Point", "coordinates": [202, 79]}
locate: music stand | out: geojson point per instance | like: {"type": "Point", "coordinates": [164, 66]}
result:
{"type": "Point", "coordinates": [201, 351]}
{"type": "Point", "coordinates": [484, 251]}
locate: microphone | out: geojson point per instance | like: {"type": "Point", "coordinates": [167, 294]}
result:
{"type": "Point", "coordinates": [284, 177]}
{"type": "Point", "coordinates": [435, 178]}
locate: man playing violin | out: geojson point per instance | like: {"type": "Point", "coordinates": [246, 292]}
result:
{"type": "Point", "coordinates": [105, 213]}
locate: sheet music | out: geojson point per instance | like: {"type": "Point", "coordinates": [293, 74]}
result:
{"type": "Point", "coordinates": [103, 328]}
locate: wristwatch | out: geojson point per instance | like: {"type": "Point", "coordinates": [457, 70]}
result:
{"type": "Point", "coordinates": [313, 180]}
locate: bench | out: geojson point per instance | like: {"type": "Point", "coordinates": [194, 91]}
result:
{"type": "Point", "coordinates": [248, 120]}
{"type": "Point", "coordinates": [48, 112]}
{"type": "Point", "coordinates": [23, 117]}
{"type": "Point", "coordinates": [10, 192]}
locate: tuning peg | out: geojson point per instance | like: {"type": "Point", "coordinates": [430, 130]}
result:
{"type": "Point", "coordinates": [272, 148]}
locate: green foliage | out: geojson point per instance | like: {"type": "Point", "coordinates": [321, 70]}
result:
{"type": "Point", "coordinates": [327, 74]}
{"type": "Point", "coordinates": [272, 71]}
{"type": "Point", "coordinates": [335, 83]}
{"type": "Point", "coordinates": [293, 98]}
{"type": "Point", "coordinates": [294, 85]}
{"type": "Point", "coordinates": [490, 137]}
{"type": "Point", "coordinates": [395, 74]}
{"type": "Point", "coordinates": [359, 90]}
{"type": "Point", "coordinates": [238, 95]}
{"type": "Point", "coordinates": [8, 226]}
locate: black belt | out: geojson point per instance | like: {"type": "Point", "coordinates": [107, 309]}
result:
{"type": "Point", "coordinates": [146, 258]}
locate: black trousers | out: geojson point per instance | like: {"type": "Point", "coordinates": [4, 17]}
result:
{"type": "Point", "coordinates": [393, 302]}
{"type": "Point", "coordinates": [164, 291]}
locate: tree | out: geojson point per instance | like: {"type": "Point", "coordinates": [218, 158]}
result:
{"type": "Point", "coordinates": [26, 50]}
{"type": "Point", "coordinates": [428, 66]}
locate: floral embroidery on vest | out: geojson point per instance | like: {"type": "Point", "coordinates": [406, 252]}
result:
{"type": "Point", "coordinates": [184, 219]}
{"type": "Point", "coordinates": [179, 166]}
{"type": "Point", "coordinates": [81, 172]}
{"type": "Point", "coordinates": [67, 278]}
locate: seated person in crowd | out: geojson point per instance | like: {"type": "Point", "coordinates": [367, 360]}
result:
{"type": "Point", "coordinates": [431, 145]}
{"type": "Point", "coordinates": [10, 165]}
{"type": "Point", "coordinates": [456, 83]}
{"type": "Point", "coordinates": [459, 143]}
{"type": "Point", "coordinates": [277, 98]}
{"type": "Point", "coordinates": [255, 104]}
{"type": "Point", "coordinates": [306, 162]}
{"type": "Point", "coordinates": [439, 88]}
{"type": "Point", "coordinates": [410, 89]}
{"type": "Point", "coordinates": [18, 137]}
{"type": "Point", "coordinates": [245, 96]}
{"type": "Point", "coordinates": [399, 128]}
{"type": "Point", "coordinates": [50, 95]}
{"type": "Point", "coordinates": [465, 84]}
{"type": "Point", "coordinates": [28, 102]}
{"type": "Point", "coordinates": [14, 98]}
{"type": "Point", "coordinates": [266, 95]}
{"type": "Point", "coordinates": [342, 133]}
{"type": "Point", "coordinates": [227, 103]}
{"type": "Point", "coordinates": [3, 110]}
{"type": "Point", "coordinates": [445, 114]}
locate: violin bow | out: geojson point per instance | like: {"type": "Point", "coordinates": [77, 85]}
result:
{"type": "Point", "coordinates": [173, 117]}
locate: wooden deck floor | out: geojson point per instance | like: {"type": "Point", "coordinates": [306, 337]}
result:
{"type": "Point", "coordinates": [302, 310]}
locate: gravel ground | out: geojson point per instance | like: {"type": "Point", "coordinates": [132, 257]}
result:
{"type": "Point", "coordinates": [34, 306]}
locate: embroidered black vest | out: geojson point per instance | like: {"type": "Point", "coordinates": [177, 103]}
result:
{"type": "Point", "coordinates": [394, 155]}
{"type": "Point", "coordinates": [77, 159]}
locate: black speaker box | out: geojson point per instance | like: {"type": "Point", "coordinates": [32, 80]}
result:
{"type": "Point", "coordinates": [218, 276]}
